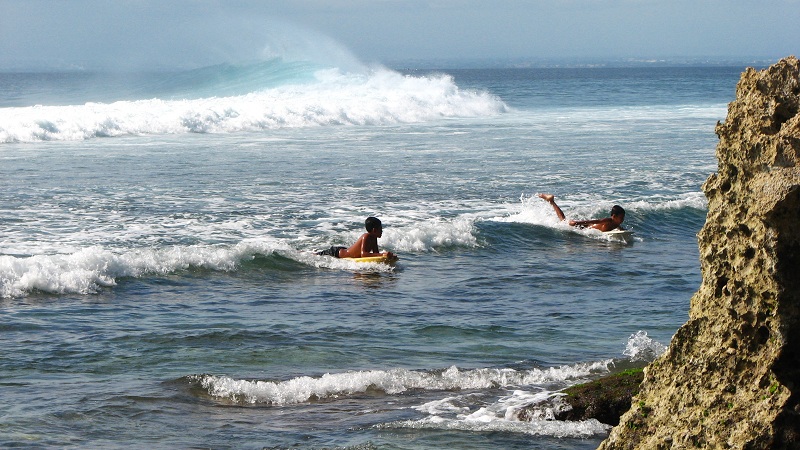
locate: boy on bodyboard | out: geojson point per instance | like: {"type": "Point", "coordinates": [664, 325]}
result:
{"type": "Point", "coordinates": [365, 247]}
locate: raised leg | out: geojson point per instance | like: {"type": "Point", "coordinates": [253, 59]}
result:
{"type": "Point", "coordinates": [549, 198]}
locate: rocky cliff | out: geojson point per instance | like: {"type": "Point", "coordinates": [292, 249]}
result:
{"type": "Point", "coordinates": [731, 375]}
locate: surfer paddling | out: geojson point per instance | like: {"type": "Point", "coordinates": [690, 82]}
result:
{"type": "Point", "coordinates": [607, 224]}
{"type": "Point", "coordinates": [366, 246]}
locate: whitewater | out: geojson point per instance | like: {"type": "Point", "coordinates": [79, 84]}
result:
{"type": "Point", "coordinates": [159, 286]}
{"type": "Point", "coordinates": [324, 97]}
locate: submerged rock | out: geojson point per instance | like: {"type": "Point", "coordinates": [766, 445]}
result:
{"type": "Point", "coordinates": [605, 399]}
{"type": "Point", "coordinates": [731, 375]}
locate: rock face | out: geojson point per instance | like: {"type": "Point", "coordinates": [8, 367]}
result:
{"type": "Point", "coordinates": [731, 375]}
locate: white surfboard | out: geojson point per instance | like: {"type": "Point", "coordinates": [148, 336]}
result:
{"type": "Point", "coordinates": [621, 235]}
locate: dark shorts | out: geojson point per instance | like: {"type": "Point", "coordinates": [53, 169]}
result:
{"type": "Point", "coordinates": [333, 251]}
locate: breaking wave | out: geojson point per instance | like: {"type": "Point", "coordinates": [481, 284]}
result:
{"type": "Point", "coordinates": [269, 96]}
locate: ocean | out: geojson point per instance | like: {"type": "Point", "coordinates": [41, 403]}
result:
{"type": "Point", "coordinates": [159, 287]}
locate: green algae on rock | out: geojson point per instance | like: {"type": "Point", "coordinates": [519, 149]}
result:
{"type": "Point", "coordinates": [605, 399]}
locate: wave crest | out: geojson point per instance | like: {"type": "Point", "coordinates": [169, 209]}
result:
{"type": "Point", "coordinates": [382, 97]}
{"type": "Point", "coordinates": [89, 269]}
{"type": "Point", "coordinates": [329, 386]}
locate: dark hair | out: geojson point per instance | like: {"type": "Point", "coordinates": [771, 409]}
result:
{"type": "Point", "coordinates": [372, 223]}
{"type": "Point", "coordinates": [617, 210]}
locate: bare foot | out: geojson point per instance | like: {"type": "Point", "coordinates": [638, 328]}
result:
{"type": "Point", "coordinates": [550, 199]}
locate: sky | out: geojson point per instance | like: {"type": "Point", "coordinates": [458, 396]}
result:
{"type": "Point", "coordinates": [142, 34]}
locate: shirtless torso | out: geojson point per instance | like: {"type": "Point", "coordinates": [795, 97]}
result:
{"type": "Point", "coordinates": [606, 224]}
{"type": "Point", "coordinates": [366, 245]}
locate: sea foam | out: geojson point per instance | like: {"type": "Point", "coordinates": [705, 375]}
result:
{"type": "Point", "coordinates": [642, 348]}
{"type": "Point", "coordinates": [433, 234]}
{"type": "Point", "coordinates": [472, 411]}
{"type": "Point", "coordinates": [482, 413]}
{"type": "Point", "coordinates": [60, 268]}
{"type": "Point", "coordinates": [535, 211]}
{"type": "Point", "coordinates": [381, 97]}
{"type": "Point", "coordinates": [89, 269]}
{"type": "Point", "coordinates": [328, 386]}
{"type": "Point", "coordinates": [559, 429]}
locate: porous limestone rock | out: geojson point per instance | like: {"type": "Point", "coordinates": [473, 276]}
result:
{"type": "Point", "coordinates": [731, 375]}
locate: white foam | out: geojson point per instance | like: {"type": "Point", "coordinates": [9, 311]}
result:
{"type": "Point", "coordinates": [327, 262]}
{"type": "Point", "coordinates": [411, 231]}
{"type": "Point", "coordinates": [535, 211]}
{"type": "Point", "coordinates": [505, 412]}
{"type": "Point", "coordinates": [558, 429]}
{"type": "Point", "coordinates": [696, 200]}
{"type": "Point", "coordinates": [432, 234]}
{"type": "Point", "coordinates": [70, 266]}
{"type": "Point", "coordinates": [396, 381]}
{"type": "Point", "coordinates": [507, 407]}
{"type": "Point", "coordinates": [641, 347]}
{"type": "Point", "coordinates": [304, 389]}
{"type": "Point", "coordinates": [86, 270]}
{"type": "Point", "coordinates": [473, 412]}
{"type": "Point", "coordinates": [380, 98]}
{"type": "Point", "coordinates": [447, 405]}
{"type": "Point", "coordinates": [602, 117]}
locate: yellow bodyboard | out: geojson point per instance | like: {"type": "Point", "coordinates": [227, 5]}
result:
{"type": "Point", "coordinates": [373, 259]}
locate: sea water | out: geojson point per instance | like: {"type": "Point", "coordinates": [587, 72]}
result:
{"type": "Point", "coordinates": [158, 286]}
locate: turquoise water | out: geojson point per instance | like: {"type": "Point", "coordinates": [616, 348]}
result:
{"type": "Point", "coordinates": [158, 286]}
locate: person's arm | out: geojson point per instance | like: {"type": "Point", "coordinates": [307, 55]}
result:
{"type": "Point", "coordinates": [606, 224]}
{"type": "Point", "coordinates": [584, 223]}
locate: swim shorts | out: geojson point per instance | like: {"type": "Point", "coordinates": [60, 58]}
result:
{"type": "Point", "coordinates": [333, 251]}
